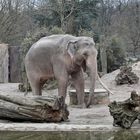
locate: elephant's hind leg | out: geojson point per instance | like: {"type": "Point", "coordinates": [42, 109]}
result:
{"type": "Point", "coordinates": [37, 88]}
{"type": "Point", "coordinates": [35, 85]}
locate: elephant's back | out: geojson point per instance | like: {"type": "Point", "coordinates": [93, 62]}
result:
{"type": "Point", "coordinates": [48, 46]}
{"type": "Point", "coordinates": [51, 43]}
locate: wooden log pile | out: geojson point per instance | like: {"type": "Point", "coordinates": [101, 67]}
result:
{"type": "Point", "coordinates": [126, 76]}
{"type": "Point", "coordinates": [126, 112]}
{"type": "Point", "coordinates": [34, 109]}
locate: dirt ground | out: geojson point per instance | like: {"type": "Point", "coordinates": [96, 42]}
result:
{"type": "Point", "coordinates": [97, 114]}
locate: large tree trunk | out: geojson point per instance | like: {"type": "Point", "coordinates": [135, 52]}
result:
{"type": "Point", "coordinates": [14, 64]}
{"type": "Point", "coordinates": [103, 55]}
{"type": "Point", "coordinates": [36, 109]}
{"type": "Point", "coordinates": [4, 63]}
{"type": "Point", "coordinates": [103, 60]}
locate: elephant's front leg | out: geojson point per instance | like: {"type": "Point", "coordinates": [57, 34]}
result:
{"type": "Point", "coordinates": [78, 82]}
{"type": "Point", "coordinates": [62, 87]}
{"type": "Point", "coordinates": [61, 76]}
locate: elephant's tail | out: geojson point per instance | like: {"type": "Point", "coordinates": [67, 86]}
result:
{"type": "Point", "coordinates": [26, 86]}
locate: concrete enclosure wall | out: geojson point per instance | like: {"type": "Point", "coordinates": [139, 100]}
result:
{"type": "Point", "coordinates": [4, 63]}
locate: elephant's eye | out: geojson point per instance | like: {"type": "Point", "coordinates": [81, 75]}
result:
{"type": "Point", "coordinates": [75, 47]}
{"type": "Point", "coordinates": [85, 54]}
{"type": "Point", "coordinates": [87, 44]}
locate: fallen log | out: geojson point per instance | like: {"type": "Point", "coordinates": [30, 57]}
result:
{"type": "Point", "coordinates": [126, 112]}
{"type": "Point", "coordinates": [33, 108]}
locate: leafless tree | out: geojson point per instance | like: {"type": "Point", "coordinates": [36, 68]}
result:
{"type": "Point", "coordinates": [133, 25]}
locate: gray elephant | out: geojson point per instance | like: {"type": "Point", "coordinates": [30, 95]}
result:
{"type": "Point", "coordinates": [62, 56]}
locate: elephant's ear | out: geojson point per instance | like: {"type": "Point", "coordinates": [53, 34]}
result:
{"type": "Point", "coordinates": [72, 47]}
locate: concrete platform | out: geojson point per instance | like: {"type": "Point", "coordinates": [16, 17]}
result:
{"type": "Point", "coordinates": [87, 91]}
{"type": "Point", "coordinates": [101, 96]}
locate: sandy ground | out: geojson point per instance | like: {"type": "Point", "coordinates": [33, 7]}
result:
{"type": "Point", "coordinates": [97, 114]}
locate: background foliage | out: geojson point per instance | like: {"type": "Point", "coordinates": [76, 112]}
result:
{"type": "Point", "coordinates": [24, 21]}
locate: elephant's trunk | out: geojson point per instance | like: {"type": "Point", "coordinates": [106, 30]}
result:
{"type": "Point", "coordinates": [91, 63]}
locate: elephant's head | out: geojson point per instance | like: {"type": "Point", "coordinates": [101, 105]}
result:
{"type": "Point", "coordinates": [83, 52]}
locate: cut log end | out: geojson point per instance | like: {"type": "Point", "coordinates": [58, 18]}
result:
{"type": "Point", "coordinates": [126, 112]}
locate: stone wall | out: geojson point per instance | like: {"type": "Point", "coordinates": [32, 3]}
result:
{"type": "Point", "coordinates": [4, 63]}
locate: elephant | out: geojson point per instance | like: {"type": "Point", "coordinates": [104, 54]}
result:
{"type": "Point", "coordinates": [62, 56]}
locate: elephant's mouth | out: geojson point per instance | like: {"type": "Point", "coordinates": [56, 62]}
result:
{"type": "Point", "coordinates": [77, 65]}
{"type": "Point", "coordinates": [84, 66]}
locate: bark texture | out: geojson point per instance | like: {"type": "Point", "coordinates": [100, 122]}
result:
{"type": "Point", "coordinates": [126, 112]}
{"type": "Point", "coordinates": [14, 64]}
{"type": "Point", "coordinates": [4, 63]}
{"type": "Point", "coordinates": [34, 109]}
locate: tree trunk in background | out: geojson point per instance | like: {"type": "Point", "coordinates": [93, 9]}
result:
{"type": "Point", "coordinates": [103, 55]}
{"type": "Point", "coordinates": [103, 60]}
{"type": "Point", "coordinates": [4, 63]}
{"type": "Point", "coordinates": [14, 64]}
{"type": "Point", "coordinates": [70, 29]}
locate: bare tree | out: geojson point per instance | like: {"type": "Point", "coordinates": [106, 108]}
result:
{"type": "Point", "coordinates": [106, 10]}
{"type": "Point", "coordinates": [63, 8]}
{"type": "Point", "coordinates": [14, 24]}
{"type": "Point", "coordinates": [133, 25]}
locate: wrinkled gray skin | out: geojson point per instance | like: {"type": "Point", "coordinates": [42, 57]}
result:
{"type": "Point", "coordinates": [62, 56]}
